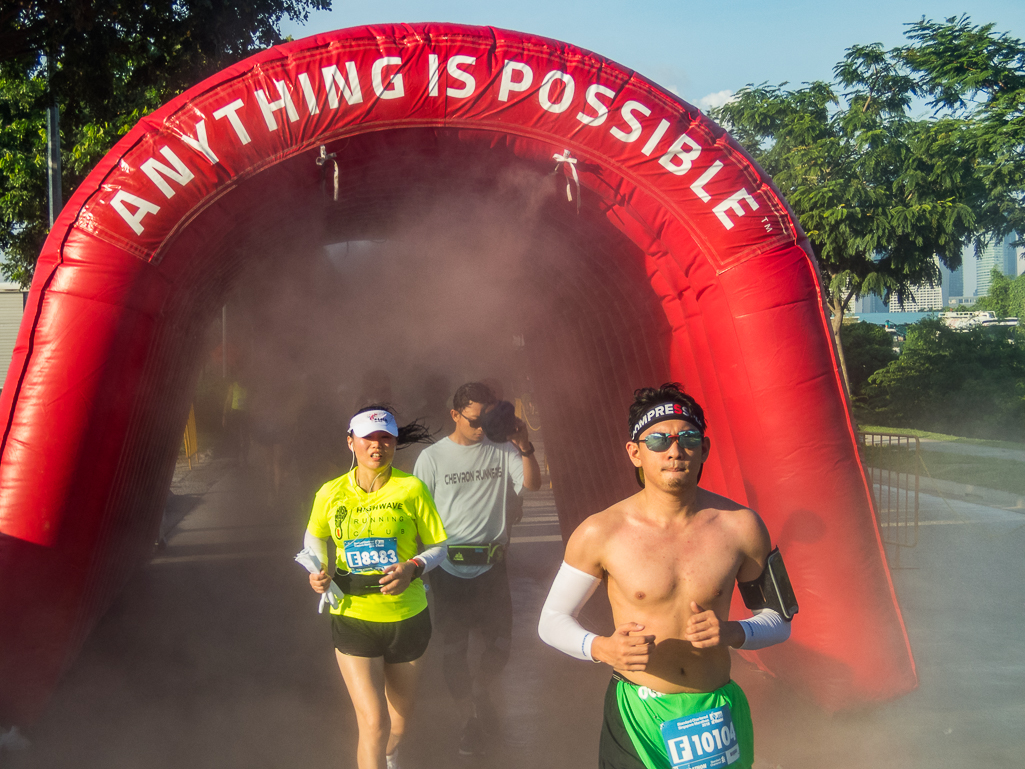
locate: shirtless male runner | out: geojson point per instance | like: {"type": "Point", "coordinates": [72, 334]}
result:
{"type": "Point", "coordinates": [671, 554]}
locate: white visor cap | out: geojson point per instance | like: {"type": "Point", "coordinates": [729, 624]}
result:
{"type": "Point", "coordinates": [367, 422]}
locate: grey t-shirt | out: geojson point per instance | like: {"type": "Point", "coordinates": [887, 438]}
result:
{"type": "Point", "coordinates": [469, 485]}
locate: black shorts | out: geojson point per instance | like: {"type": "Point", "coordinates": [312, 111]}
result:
{"type": "Point", "coordinates": [402, 641]}
{"type": "Point", "coordinates": [483, 602]}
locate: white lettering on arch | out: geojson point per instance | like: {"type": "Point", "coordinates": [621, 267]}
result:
{"type": "Point", "coordinates": [601, 110]}
{"type": "Point", "coordinates": [200, 143]}
{"type": "Point", "coordinates": [698, 187]}
{"type": "Point", "coordinates": [469, 84]}
{"type": "Point", "coordinates": [732, 203]}
{"type": "Point", "coordinates": [231, 112]}
{"type": "Point", "coordinates": [678, 159]}
{"type": "Point", "coordinates": [433, 74]}
{"type": "Point", "coordinates": [544, 95]}
{"type": "Point", "coordinates": [393, 89]}
{"type": "Point", "coordinates": [336, 85]}
{"type": "Point", "coordinates": [284, 102]}
{"type": "Point", "coordinates": [509, 84]}
{"type": "Point", "coordinates": [311, 97]}
{"type": "Point", "coordinates": [655, 138]}
{"type": "Point", "coordinates": [156, 171]}
{"type": "Point", "coordinates": [635, 125]}
{"type": "Point", "coordinates": [122, 200]}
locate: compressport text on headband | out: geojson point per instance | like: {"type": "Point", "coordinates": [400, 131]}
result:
{"type": "Point", "coordinates": [664, 412]}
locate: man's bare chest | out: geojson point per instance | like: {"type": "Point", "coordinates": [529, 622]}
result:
{"type": "Point", "coordinates": [649, 569]}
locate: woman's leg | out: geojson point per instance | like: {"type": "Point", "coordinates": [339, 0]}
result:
{"type": "Point", "coordinates": [365, 679]}
{"type": "Point", "coordinates": [400, 691]}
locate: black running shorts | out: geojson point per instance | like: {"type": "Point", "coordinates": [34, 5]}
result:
{"type": "Point", "coordinates": [402, 641]}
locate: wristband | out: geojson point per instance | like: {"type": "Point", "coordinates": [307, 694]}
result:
{"type": "Point", "coordinates": [418, 567]}
{"type": "Point", "coordinates": [529, 452]}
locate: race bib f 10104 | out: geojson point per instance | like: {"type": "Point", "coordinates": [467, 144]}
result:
{"type": "Point", "coordinates": [706, 740]}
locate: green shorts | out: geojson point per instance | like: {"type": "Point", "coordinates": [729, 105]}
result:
{"type": "Point", "coordinates": [631, 736]}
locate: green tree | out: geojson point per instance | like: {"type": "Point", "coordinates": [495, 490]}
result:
{"type": "Point", "coordinates": [878, 193]}
{"type": "Point", "coordinates": [109, 64]}
{"type": "Point", "coordinates": [868, 348]}
{"type": "Point", "coordinates": [973, 72]}
{"type": "Point", "coordinates": [1007, 299]}
{"type": "Point", "coordinates": [967, 383]}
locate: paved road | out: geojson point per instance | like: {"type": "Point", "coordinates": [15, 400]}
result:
{"type": "Point", "coordinates": [970, 449]}
{"type": "Point", "coordinates": [214, 657]}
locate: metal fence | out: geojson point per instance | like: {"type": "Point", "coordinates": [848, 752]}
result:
{"type": "Point", "coordinates": [893, 463]}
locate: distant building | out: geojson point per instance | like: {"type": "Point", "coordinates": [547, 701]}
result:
{"type": "Point", "coordinates": [953, 282]}
{"type": "Point", "coordinates": [870, 303]}
{"type": "Point", "coordinates": [922, 299]}
{"type": "Point", "coordinates": [12, 304]}
{"type": "Point", "coordinates": [961, 301]}
{"type": "Point", "coordinates": [966, 321]}
{"type": "Point", "coordinates": [925, 297]}
{"type": "Point", "coordinates": [999, 254]}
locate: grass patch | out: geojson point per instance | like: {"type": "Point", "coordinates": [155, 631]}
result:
{"type": "Point", "coordinates": [941, 437]}
{"type": "Point", "coordinates": [988, 472]}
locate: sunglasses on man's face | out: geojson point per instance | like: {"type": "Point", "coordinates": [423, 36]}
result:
{"type": "Point", "coordinates": [659, 442]}
{"type": "Point", "coordinates": [474, 423]}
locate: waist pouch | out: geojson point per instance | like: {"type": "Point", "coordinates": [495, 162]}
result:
{"type": "Point", "coordinates": [357, 584]}
{"type": "Point", "coordinates": [476, 555]}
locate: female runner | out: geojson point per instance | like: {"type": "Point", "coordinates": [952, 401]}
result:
{"type": "Point", "coordinates": [374, 514]}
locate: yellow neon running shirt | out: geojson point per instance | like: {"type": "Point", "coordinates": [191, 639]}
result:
{"type": "Point", "coordinates": [402, 508]}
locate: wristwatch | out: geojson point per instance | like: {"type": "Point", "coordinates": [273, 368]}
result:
{"type": "Point", "coordinates": [529, 452]}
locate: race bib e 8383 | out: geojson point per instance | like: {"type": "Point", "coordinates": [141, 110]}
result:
{"type": "Point", "coordinates": [370, 553]}
{"type": "Point", "coordinates": [706, 740]}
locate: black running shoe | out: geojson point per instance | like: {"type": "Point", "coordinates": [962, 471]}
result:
{"type": "Point", "coordinates": [471, 743]}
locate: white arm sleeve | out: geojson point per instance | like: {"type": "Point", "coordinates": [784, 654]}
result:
{"type": "Point", "coordinates": [766, 628]}
{"type": "Point", "coordinates": [558, 626]}
{"type": "Point", "coordinates": [319, 547]}
{"type": "Point", "coordinates": [433, 556]}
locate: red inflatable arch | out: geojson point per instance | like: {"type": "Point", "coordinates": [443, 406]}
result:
{"type": "Point", "coordinates": [691, 268]}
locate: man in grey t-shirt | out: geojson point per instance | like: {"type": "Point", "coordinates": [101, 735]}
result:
{"type": "Point", "coordinates": [470, 478]}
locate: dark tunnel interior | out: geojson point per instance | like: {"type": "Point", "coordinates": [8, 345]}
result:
{"type": "Point", "coordinates": [440, 261]}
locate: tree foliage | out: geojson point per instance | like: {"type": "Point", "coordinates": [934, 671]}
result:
{"type": "Point", "coordinates": [879, 192]}
{"type": "Point", "coordinates": [1006, 298]}
{"type": "Point", "coordinates": [973, 72]}
{"type": "Point", "coordinates": [109, 64]}
{"type": "Point", "coordinates": [868, 348]}
{"type": "Point", "coordinates": [969, 383]}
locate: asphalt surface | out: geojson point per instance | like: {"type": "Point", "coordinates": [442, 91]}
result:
{"type": "Point", "coordinates": [215, 657]}
{"type": "Point", "coordinates": [970, 449]}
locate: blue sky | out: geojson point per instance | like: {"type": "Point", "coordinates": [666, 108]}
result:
{"type": "Point", "coordinates": [698, 50]}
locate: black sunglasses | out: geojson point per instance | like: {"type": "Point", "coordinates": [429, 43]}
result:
{"type": "Point", "coordinates": [474, 423]}
{"type": "Point", "coordinates": [659, 442]}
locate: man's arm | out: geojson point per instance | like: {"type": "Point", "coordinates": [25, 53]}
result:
{"type": "Point", "coordinates": [766, 628]}
{"type": "Point", "coordinates": [531, 470]}
{"type": "Point", "coordinates": [627, 648]}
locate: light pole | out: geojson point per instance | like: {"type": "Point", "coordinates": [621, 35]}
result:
{"type": "Point", "coordinates": [53, 146]}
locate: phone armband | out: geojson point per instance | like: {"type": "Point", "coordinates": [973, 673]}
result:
{"type": "Point", "coordinates": [772, 590]}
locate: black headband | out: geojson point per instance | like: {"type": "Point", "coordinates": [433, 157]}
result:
{"type": "Point", "coordinates": [663, 412]}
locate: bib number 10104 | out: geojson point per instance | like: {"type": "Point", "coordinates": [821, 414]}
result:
{"type": "Point", "coordinates": [707, 740]}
